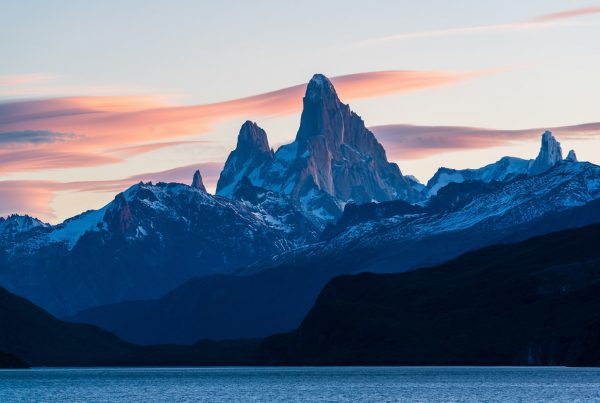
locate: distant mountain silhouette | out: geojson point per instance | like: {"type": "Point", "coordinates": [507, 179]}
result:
{"type": "Point", "coordinates": [530, 303]}
{"type": "Point", "coordinates": [31, 336]}
{"type": "Point", "coordinates": [274, 295]}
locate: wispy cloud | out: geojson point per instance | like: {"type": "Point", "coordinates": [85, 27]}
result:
{"type": "Point", "coordinates": [22, 79]}
{"type": "Point", "coordinates": [27, 197]}
{"type": "Point", "coordinates": [35, 197]}
{"type": "Point", "coordinates": [139, 124]}
{"type": "Point", "coordinates": [542, 21]}
{"type": "Point", "coordinates": [129, 151]}
{"type": "Point", "coordinates": [33, 160]}
{"type": "Point", "coordinates": [567, 14]}
{"type": "Point", "coordinates": [403, 142]}
{"type": "Point", "coordinates": [33, 137]}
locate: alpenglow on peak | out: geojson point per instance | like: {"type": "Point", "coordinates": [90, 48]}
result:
{"type": "Point", "coordinates": [333, 160]}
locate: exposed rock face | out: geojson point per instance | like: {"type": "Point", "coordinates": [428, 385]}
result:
{"type": "Point", "coordinates": [118, 215]}
{"type": "Point", "coordinates": [197, 182]}
{"type": "Point", "coordinates": [335, 159]}
{"type": "Point", "coordinates": [342, 157]}
{"type": "Point", "coordinates": [550, 154]}
{"type": "Point", "coordinates": [252, 151]}
{"type": "Point", "coordinates": [572, 157]}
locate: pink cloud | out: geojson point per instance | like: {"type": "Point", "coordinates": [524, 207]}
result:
{"type": "Point", "coordinates": [210, 174]}
{"type": "Point", "coordinates": [22, 79]}
{"type": "Point", "coordinates": [99, 117]}
{"type": "Point", "coordinates": [543, 21]}
{"type": "Point", "coordinates": [129, 151]}
{"type": "Point", "coordinates": [26, 197]}
{"type": "Point", "coordinates": [403, 141]}
{"type": "Point", "coordinates": [35, 197]}
{"type": "Point", "coordinates": [31, 160]}
{"type": "Point", "coordinates": [139, 123]}
{"type": "Point", "coordinates": [578, 12]}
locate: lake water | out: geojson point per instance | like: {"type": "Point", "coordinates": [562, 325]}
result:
{"type": "Point", "coordinates": [368, 384]}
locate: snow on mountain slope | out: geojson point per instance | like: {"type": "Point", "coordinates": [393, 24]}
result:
{"type": "Point", "coordinates": [149, 239]}
{"type": "Point", "coordinates": [72, 229]}
{"type": "Point", "coordinates": [251, 152]}
{"type": "Point", "coordinates": [564, 186]}
{"type": "Point", "coordinates": [505, 169]}
{"type": "Point", "coordinates": [491, 214]}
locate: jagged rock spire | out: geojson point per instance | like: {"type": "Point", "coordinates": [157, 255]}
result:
{"type": "Point", "coordinates": [336, 144]}
{"type": "Point", "coordinates": [252, 150]}
{"type": "Point", "coordinates": [322, 113]}
{"type": "Point", "coordinates": [335, 159]}
{"type": "Point", "coordinates": [197, 182]}
{"type": "Point", "coordinates": [550, 154]}
{"type": "Point", "coordinates": [118, 215]}
{"type": "Point", "coordinates": [572, 157]}
{"type": "Point", "coordinates": [252, 138]}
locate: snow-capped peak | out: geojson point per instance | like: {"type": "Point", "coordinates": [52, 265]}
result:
{"type": "Point", "coordinates": [19, 223]}
{"type": "Point", "coordinates": [333, 160]}
{"type": "Point", "coordinates": [550, 154]}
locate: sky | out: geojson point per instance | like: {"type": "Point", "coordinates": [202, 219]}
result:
{"type": "Point", "coordinates": [98, 95]}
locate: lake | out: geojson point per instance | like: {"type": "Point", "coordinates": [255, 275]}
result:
{"type": "Point", "coordinates": [302, 384]}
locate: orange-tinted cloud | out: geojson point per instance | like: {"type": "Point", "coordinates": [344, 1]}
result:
{"type": "Point", "coordinates": [99, 117]}
{"type": "Point", "coordinates": [403, 142]}
{"type": "Point", "coordinates": [130, 151]}
{"type": "Point", "coordinates": [31, 160]}
{"type": "Point", "coordinates": [26, 197]}
{"type": "Point", "coordinates": [104, 123]}
{"type": "Point", "coordinates": [210, 175]}
{"type": "Point", "coordinates": [35, 197]}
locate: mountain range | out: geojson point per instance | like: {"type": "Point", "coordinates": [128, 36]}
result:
{"type": "Point", "coordinates": [528, 303]}
{"type": "Point", "coordinates": [171, 263]}
{"type": "Point", "coordinates": [506, 168]}
{"type": "Point", "coordinates": [149, 239]}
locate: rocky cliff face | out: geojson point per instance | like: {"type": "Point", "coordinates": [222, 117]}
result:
{"type": "Point", "coordinates": [334, 160]}
{"type": "Point", "coordinates": [550, 154]}
{"type": "Point", "coordinates": [251, 152]}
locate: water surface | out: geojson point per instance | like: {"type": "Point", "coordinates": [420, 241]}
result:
{"type": "Point", "coordinates": [367, 384]}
